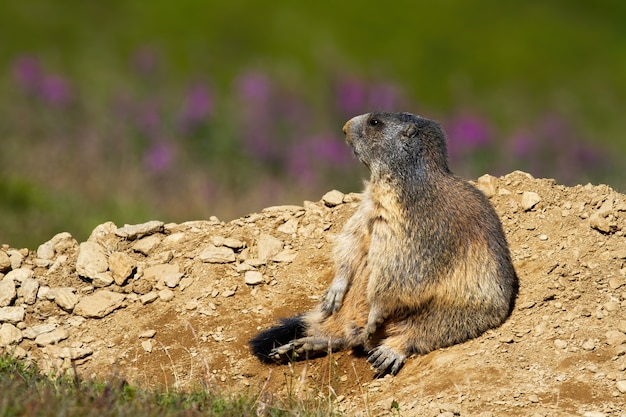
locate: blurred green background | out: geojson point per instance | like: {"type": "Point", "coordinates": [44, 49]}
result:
{"type": "Point", "coordinates": [133, 110]}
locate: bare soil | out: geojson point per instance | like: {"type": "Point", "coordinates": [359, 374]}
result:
{"type": "Point", "coordinates": [560, 353]}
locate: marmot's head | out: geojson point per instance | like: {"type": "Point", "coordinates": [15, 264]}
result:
{"type": "Point", "coordinates": [399, 145]}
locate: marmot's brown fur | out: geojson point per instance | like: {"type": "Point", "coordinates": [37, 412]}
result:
{"type": "Point", "coordinates": [422, 264]}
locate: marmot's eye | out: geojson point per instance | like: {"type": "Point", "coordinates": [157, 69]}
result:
{"type": "Point", "coordinates": [374, 122]}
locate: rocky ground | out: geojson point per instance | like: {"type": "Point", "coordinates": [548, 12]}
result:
{"type": "Point", "coordinates": [173, 305]}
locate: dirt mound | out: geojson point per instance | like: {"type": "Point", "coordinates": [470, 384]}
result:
{"type": "Point", "coordinates": [174, 305]}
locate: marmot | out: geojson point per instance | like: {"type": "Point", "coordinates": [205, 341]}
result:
{"type": "Point", "coordinates": [422, 264]}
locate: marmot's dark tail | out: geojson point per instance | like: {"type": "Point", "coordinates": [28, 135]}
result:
{"type": "Point", "coordinates": [288, 330]}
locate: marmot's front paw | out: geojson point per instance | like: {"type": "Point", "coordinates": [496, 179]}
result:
{"type": "Point", "coordinates": [386, 360]}
{"type": "Point", "coordinates": [333, 299]}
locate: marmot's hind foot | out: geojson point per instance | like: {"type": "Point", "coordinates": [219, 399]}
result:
{"type": "Point", "coordinates": [306, 344]}
{"type": "Point", "coordinates": [385, 360]}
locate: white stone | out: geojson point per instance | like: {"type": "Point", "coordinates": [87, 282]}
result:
{"type": "Point", "coordinates": [28, 290]}
{"type": "Point", "coordinates": [101, 231]}
{"type": "Point", "coordinates": [52, 337]}
{"type": "Point", "coordinates": [102, 279]}
{"type": "Point", "coordinates": [149, 297]}
{"type": "Point", "coordinates": [65, 298]}
{"type": "Point", "coordinates": [615, 337]}
{"type": "Point", "coordinates": [166, 295]}
{"type": "Point", "coordinates": [147, 345]}
{"type": "Point", "coordinates": [98, 304]}
{"type": "Point", "coordinates": [253, 278]}
{"type": "Point", "coordinates": [5, 262]}
{"type": "Point", "coordinates": [333, 198]}
{"type": "Point", "coordinates": [34, 331]}
{"type": "Point", "coordinates": [289, 227]}
{"type": "Point", "coordinates": [20, 274]}
{"type": "Point", "coordinates": [287, 255]}
{"type": "Point", "coordinates": [137, 230]}
{"type": "Point", "coordinates": [487, 184]}
{"type": "Point", "coordinates": [46, 251]}
{"type": "Point", "coordinates": [147, 244]}
{"type": "Point", "coordinates": [7, 292]}
{"type": "Point", "coordinates": [121, 266]}
{"type": "Point", "coordinates": [12, 314]}
{"type": "Point", "coordinates": [530, 200]}
{"type": "Point", "coordinates": [9, 335]}
{"type": "Point", "coordinates": [214, 254]}
{"type": "Point", "coordinates": [621, 386]}
{"type": "Point", "coordinates": [268, 246]}
{"type": "Point", "coordinates": [91, 260]}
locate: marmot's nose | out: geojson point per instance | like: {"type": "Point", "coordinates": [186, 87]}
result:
{"type": "Point", "coordinates": [346, 131]}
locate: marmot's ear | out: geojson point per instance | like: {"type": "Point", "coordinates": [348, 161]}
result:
{"type": "Point", "coordinates": [410, 132]}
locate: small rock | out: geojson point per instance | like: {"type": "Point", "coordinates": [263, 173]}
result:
{"type": "Point", "coordinates": [62, 242]}
{"type": "Point", "coordinates": [172, 280]}
{"type": "Point", "coordinates": [28, 290]}
{"type": "Point", "coordinates": [7, 292]}
{"type": "Point", "coordinates": [529, 200]}
{"type": "Point", "coordinates": [228, 293]}
{"type": "Point", "coordinates": [16, 259]}
{"type": "Point", "coordinates": [71, 353]}
{"type": "Point", "coordinates": [543, 237]}
{"type": "Point", "coordinates": [621, 386]}
{"type": "Point", "coordinates": [103, 279]}
{"type": "Point", "coordinates": [147, 244]}
{"type": "Point", "coordinates": [19, 274]}
{"type": "Point", "coordinates": [289, 227]}
{"type": "Point", "coordinates": [560, 344]}
{"type": "Point", "coordinates": [65, 298]}
{"type": "Point", "coordinates": [333, 198]}
{"type": "Point", "coordinates": [121, 266]}
{"type": "Point", "coordinates": [488, 185]}
{"type": "Point", "coordinates": [147, 346]}
{"type": "Point", "coordinates": [148, 297]}
{"type": "Point", "coordinates": [101, 231]}
{"type": "Point", "coordinates": [166, 295]}
{"type": "Point", "coordinates": [98, 304]}
{"type": "Point", "coordinates": [46, 250]}
{"type": "Point", "coordinates": [5, 262]}
{"type": "Point", "coordinates": [9, 335]}
{"type": "Point", "coordinates": [147, 334]}
{"type": "Point", "coordinates": [158, 273]}
{"type": "Point", "coordinates": [34, 331]}
{"type": "Point", "coordinates": [615, 283]}
{"type": "Point", "coordinates": [287, 255]}
{"type": "Point", "coordinates": [589, 345]}
{"type": "Point", "coordinates": [234, 243]}
{"type": "Point", "coordinates": [142, 286]}
{"type": "Point", "coordinates": [217, 255]}
{"type": "Point", "coordinates": [600, 223]}
{"type": "Point", "coordinates": [52, 337]}
{"type": "Point", "coordinates": [621, 326]}
{"type": "Point", "coordinates": [268, 246]}
{"type": "Point", "coordinates": [132, 232]}
{"type": "Point", "coordinates": [615, 337]}
{"type": "Point", "coordinates": [12, 314]}
{"type": "Point", "coordinates": [594, 414]}
{"type": "Point", "coordinates": [253, 278]}
{"type": "Point", "coordinates": [91, 260]}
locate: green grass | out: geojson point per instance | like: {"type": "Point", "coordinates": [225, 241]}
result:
{"type": "Point", "coordinates": [26, 392]}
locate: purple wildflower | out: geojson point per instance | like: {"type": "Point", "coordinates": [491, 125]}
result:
{"type": "Point", "coordinates": [253, 86]}
{"type": "Point", "coordinates": [197, 108]}
{"type": "Point", "coordinates": [55, 90]}
{"type": "Point", "coordinates": [27, 72]}
{"type": "Point", "coordinates": [469, 132]}
{"type": "Point", "coordinates": [351, 96]}
{"type": "Point", "coordinates": [522, 145]}
{"type": "Point", "coordinates": [159, 157]}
